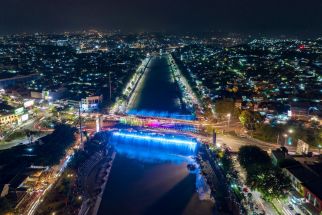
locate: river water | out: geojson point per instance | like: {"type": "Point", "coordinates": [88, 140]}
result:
{"type": "Point", "coordinates": [158, 91]}
{"type": "Point", "coordinates": [147, 180]}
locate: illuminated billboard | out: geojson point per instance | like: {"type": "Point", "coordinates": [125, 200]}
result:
{"type": "Point", "coordinates": [24, 117]}
{"type": "Point", "coordinates": [19, 111]}
{"type": "Point", "coordinates": [29, 103]}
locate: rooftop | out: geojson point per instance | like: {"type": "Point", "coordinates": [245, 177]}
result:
{"type": "Point", "coordinates": [309, 178]}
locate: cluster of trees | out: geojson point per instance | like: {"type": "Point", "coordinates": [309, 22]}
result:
{"type": "Point", "coordinates": [266, 132]}
{"type": "Point", "coordinates": [250, 119]}
{"type": "Point", "coordinates": [6, 206]}
{"type": "Point", "coordinates": [311, 135]}
{"type": "Point", "coordinates": [21, 133]}
{"type": "Point", "coordinates": [227, 162]}
{"type": "Point", "coordinates": [261, 174]}
{"type": "Point", "coordinates": [15, 135]}
{"type": "Point", "coordinates": [48, 151]}
{"type": "Point", "coordinates": [54, 146]}
{"type": "Point", "coordinates": [270, 133]}
{"type": "Point", "coordinates": [224, 107]}
{"type": "Point", "coordinates": [64, 196]}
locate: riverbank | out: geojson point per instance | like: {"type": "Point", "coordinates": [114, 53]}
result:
{"type": "Point", "coordinates": [104, 172]}
{"type": "Point", "coordinates": [227, 202]}
{"type": "Point", "coordinates": [123, 102]}
{"type": "Point", "coordinates": [77, 180]}
{"type": "Point", "coordinates": [94, 176]}
{"type": "Point", "coordinates": [139, 82]}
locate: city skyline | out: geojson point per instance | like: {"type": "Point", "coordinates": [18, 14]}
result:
{"type": "Point", "coordinates": [274, 17]}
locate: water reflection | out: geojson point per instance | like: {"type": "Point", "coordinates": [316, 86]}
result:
{"type": "Point", "coordinates": [147, 178]}
{"type": "Point", "coordinates": [149, 155]}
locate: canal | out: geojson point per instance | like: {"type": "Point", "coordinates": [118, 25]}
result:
{"type": "Point", "coordinates": [158, 91]}
{"type": "Point", "coordinates": [149, 180]}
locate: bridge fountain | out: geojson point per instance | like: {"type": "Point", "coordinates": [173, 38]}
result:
{"type": "Point", "coordinates": [175, 144]}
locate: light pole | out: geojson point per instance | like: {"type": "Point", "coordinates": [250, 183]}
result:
{"type": "Point", "coordinates": [110, 85]}
{"type": "Point", "coordinates": [290, 131]}
{"type": "Point", "coordinates": [319, 146]}
{"type": "Point", "coordinates": [228, 117]}
{"type": "Point", "coordinates": [285, 138]}
{"type": "Point", "coordinates": [278, 139]}
{"type": "Point", "coordinates": [285, 135]}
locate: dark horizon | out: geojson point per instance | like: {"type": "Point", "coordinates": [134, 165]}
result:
{"type": "Point", "coordinates": [273, 17]}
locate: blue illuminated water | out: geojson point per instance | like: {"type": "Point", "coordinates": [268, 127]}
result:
{"type": "Point", "coordinates": [149, 175]}
{"type": "Point", "coordinates": [159, 95]}
{"type": "Point", "coordinates": [177, 144]}
{"type": "Point", "coordinates": [151, 181]}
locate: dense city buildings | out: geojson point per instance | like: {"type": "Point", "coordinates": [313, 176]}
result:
{"type": "Point", "coordinates": [160, 123]}
{"type": "Point", "coordinates": [260, 70]}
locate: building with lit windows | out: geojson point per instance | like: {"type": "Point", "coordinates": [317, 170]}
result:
{"type": "Point", "coordinates": [307, 183]}
{"type": "Point", "coordinates": [91, 103]}
{"type": "Point", "coordinates": [8, 119]}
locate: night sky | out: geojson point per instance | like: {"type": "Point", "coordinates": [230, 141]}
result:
{"type": "Point", "coordinates": [283, 16]}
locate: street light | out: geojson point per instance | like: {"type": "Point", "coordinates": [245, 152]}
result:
{"type": "Point", "coordinates": [290, 131]}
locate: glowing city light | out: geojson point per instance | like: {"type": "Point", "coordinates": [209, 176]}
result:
{"type": "Point", "coordinates": [162, 114]}
{"type": "Point", "coordinates": [146, 137]}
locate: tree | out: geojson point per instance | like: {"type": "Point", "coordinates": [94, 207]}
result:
{"type": "Point", "coordinates": [208, 113]}
{"type": "Point", "coordinates": [252, 155]}
{"type": "Point", "coordinates": [6, 206]}
{"type": "Point", "coordinates": [54, 145]}
{"type": "Point", "coordinates": [55, 112]}
{"type": "Point", "coordinates": [36, 111]}
{"type": "Point", "coordinates": [245, 118]}
{"type": "Point", "coordinates": [261, 174]}
{"type": "Point", "coordinates": [266, 132]}
{"type": "Point", "coordinates": [227, 162]}
{"type": "Point", "coordinates": [224, 107]}
{"type": "Point", "coordinates": [272, 184]}
{"type": "Point", "coordinates": [314, 136]}
{"type": "Point", "coordinates": [250, 119]}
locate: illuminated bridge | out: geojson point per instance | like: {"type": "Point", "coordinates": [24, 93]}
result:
{"type": "Point", "coordinates": [161, 114]}
{"type": "Point", "coordinates": [177, 144]}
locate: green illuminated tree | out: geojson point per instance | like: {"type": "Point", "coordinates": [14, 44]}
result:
{"type": "Point", "coordinates": [261, 175]}
{"type": "Point", "coordinates": [272, 183]}
{"type": "Point", "coordinates": [250, 119]}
